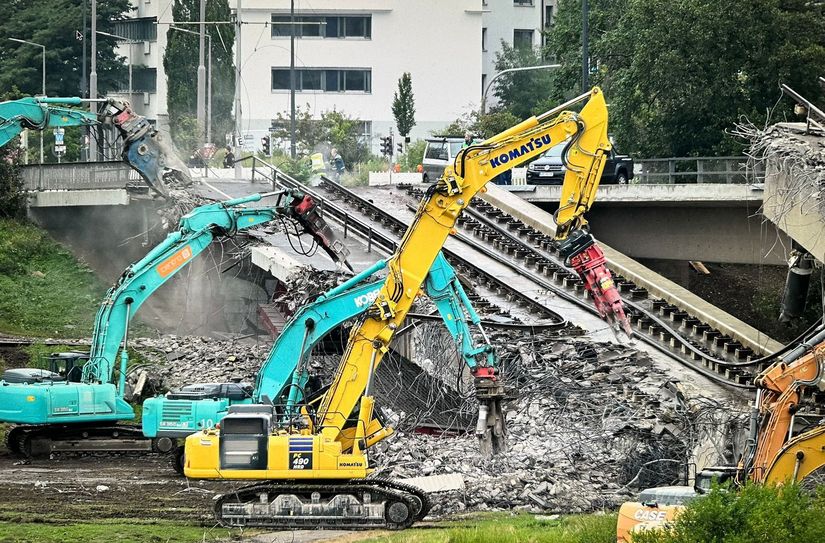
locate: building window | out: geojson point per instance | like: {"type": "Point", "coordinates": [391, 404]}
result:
{"type": "Point", "coordinates": [324, 80]}
{"type": "Point", "coordinates": [365, 134]}
{"type": "Point", "coordinates": [522, 39]}
{"type": "Point", "coordinates": [548, 15]}
{"type": "Point", "coordinates": [483, 82]}
{"type": "Point", "coordinates": [144, 79]}
{"type": "Point", "coordinates": [138, 29]}
{"type": "Point", "coordinates": [522, 2]}
{"type": "Point", "coordinates": [323, 26]}
{"type": "Point", "coordinates": [483, 39]}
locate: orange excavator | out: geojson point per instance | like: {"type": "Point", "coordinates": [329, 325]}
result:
{"type": "Point", "coordinates": [776, 451]}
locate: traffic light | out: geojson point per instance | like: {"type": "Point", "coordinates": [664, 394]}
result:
{"type": "Point", "coordinates": [400, 147]}
{"type": "Point", "coordinates": [265, 141]}
{"type": "Point", "coordinates": [386, 145]}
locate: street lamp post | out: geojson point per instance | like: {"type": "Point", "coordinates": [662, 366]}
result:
{"type": "Point", "coordinates": [93, 84]}
{"type": "Point", "coordinates": [208, 79]}
{"type": "Point", "coordinates": [292, 79]}
{"type": "Point", "coordinates": [507, 71]}
{"type": "Point", "coordinates": [44, 81]}
{"type": "Point", "coordinates": [201, 99]}
{"type": "Point", "coordinates": [585, 46]}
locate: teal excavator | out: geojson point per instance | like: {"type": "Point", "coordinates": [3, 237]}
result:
{"type": "Point", "coordinates": [143, 148]}
{"type": "Point", "coordinates": [283, 377]}
{"type": "Point", "coordinates": [77, 405]}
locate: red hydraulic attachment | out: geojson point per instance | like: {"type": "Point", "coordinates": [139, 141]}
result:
{"type": "Point", "coordinates": [304, 208]}
{"type": "Point", "coordinates": [589, 264]}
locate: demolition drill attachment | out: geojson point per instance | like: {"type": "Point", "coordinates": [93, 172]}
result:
{"type": "Point", "coordinates": [583, 254]}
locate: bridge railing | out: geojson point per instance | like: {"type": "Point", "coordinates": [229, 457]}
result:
{"type": "Point", "coordinates": [679, 170]}
{"type": "Point", "coordinates": [79, 176]}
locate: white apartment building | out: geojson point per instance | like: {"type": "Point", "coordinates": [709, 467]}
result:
{"type": "Point", "coordinates": [517, 22]}
{"type": "Point", "coordinates": [348, 57]}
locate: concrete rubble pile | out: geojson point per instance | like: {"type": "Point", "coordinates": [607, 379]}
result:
{"type": "Point", "coordinates": [592, 423]}
{"type": "Point", "coordinates": [798, 155]}
{"type": "Point", "coordinates": [183, 360]}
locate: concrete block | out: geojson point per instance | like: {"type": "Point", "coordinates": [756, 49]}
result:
{"type": "Point", "coordinates": [275, 261]}
{"type": "Point", "coordinates": [385, 178]}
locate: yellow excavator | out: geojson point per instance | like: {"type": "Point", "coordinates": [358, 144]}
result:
{"type": "Point", "coordinates": [313, 466]}
{"type": "Point", "coordinates": [775, 452]}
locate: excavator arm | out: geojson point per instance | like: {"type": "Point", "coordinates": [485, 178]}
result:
{"type": "Point", "coordinates": [196, 231]}
{"type": "Point", "coordinates": [143, 147]}
{"type": "Point", "coordinates": [436, 217]}
{"type": "Point", "coordinates": [774, 453]}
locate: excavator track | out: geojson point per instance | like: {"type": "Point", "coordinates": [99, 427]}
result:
{"type": "Point", "coordinates": [361, 504]}
{"type": "Point", "coordinates": [42, 440]}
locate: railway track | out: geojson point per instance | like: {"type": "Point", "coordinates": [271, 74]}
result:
{"type": "Point", "coordinates": [530, 253]}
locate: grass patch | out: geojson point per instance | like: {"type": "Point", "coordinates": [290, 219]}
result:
{"type": "Point", "coordinates": [121, 532]}
{"type": "Point", "coordinates": [513, 528]}
{"type": "Point", "coordinates": [45, 290]}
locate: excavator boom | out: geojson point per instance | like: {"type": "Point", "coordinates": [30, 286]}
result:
{"type": "Point", "coordinates": [143, 147]}
{"type": "Point", "coordinates": [35, 397]}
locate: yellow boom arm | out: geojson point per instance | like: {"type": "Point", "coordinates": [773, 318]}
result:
{"type": "Point", "coordinates": [585, 134]}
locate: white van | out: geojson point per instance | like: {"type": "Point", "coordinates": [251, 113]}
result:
{"type": "Point", "coordinates": [439, 152]}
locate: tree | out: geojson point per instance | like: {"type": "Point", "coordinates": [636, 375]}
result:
{"type": "Point", "coordinates": [333, 129]}
{"type": "Point", "coordinates": [12, 196]}
{"type": "Point", "coordinates": [403, 105]}
{"type": "Point", "coordinates": [53, 23]}
{"type": "Point", "coordinates": [180, 62]}
{"type": "Point", "coordinates": [678, 75]}
{"type": "Point", "coordinates": [521, 93]}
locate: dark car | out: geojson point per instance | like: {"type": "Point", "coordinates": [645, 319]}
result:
{"type": "Point", "coordinates": [549, 168]}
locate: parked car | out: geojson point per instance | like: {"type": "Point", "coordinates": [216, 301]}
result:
{"type": "Point", "coordinates": [439, 152]}
{"type": "Point", "coordinates": [549, 168]}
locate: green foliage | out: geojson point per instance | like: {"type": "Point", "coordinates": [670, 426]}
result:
{"type": "Point", "coordinates": [333, 130]}
{"type": "Point", "coordinates": [413, 156]}
{"type": "Point", "coordinates": [678, 75]}
{"type": "Point", "coordinates": [46, 291]}
{"type": "Point", "coordinates": [300, 168]}
{"type": "Point", "coordinates": [758, 513]}
{"type": "Point", "coordinates": [509, 528]}
{"type": "Point", "coordinates": [185, 133]}
{"type": "Point", "coordinates": [482, 126]}
{"type": "Point", "coordinates": [181, 64]}
{"type": "Point", "coordinates": [12, 197]}
{"type": "Point", "coordinates": [360, 174]}
{"type": "Point", "coordinates": [520, 93]}
{"type": "Point", "coordinates": [106, 532]}
{"type": "Point", "coordinates": [403, 105]}
{"type": "Point", "coordinates": [53, 23]}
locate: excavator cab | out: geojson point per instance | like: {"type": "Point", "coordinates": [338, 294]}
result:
{"type": "Point", "coordinates": [245, 437]}
{"type": "Point", "coordinates": [68, 365]}
{"type": "Point", "coordinates": [61, 367]}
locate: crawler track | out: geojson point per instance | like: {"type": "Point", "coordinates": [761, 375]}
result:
{"type": "Point", "coordinates": [352, 505]}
